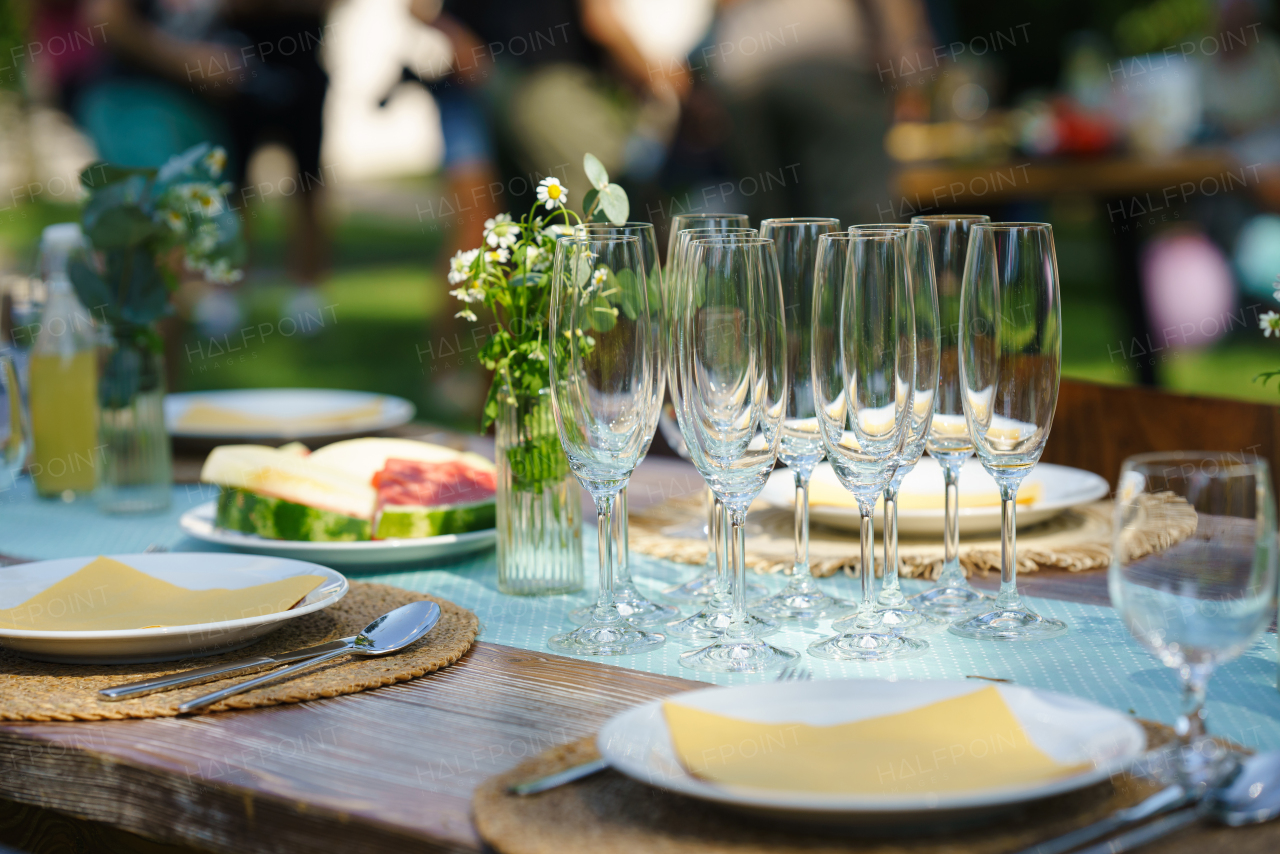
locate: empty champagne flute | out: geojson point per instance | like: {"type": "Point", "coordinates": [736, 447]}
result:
{"type": "Point", "coordinates": [796, 242]}
{"type": "Point", "coordinates": [631, 603]}
{"type": "Point", "coordinates": [605, 392]}
{"type": "Point", "coordinates": [951, 596]}
{"type": "Point", "coordinates": [730, 397]}
{"type": "Point", "coordinates": [894, 607]}
{"type": "Point", "coordinates": [1010, 362]}
{"type": "Point", "coordinates": [685, 222]}
{"type": "Point", "coordinates": [1193, 572]}
{"type": "Point", "coordinates": [15, 425]}
{"type": "Point", "coordinates": [863, 386]}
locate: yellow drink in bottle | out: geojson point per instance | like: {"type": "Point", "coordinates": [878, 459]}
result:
{"type": "Point", "coordinates": [64, 422]}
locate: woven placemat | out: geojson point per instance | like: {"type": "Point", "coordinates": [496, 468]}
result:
{"type": "Point", "coordinates": [40, 691]}
{"type": "Point", "coordinates": [610, 812]}
{"type": "Point", "coordinates": [1076, 540]}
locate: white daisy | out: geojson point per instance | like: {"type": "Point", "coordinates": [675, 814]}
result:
{"type": "Point", "coordinates": [460, 265]}
{"type": "Point", "coordinates": [598, 277]}
{"type": "Point", "coordinates": [552, 193]}
{"type": "Point", "coordinates": [1270, 324]}
{"type": "Point", "coordinates": [215, 161]}
{"type": "Point", "coordinates": [174, 220]}
{"type": "Point", "coordinates": [538, 356]}
{"type": "Point", "coordinates": [501, 232]}
{"type": "Point", "coordinates": [497, 256]}
{"type": "Point", "coordinates": [558, 230]}
{"type": "Point", "coordinates": [466, 314]}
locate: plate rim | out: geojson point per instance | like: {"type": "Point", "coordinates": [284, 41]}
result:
{"type": "Point", "coordinates": [201, 514]}
{"type": "Point", "coordinates": [861, 804]}
{"type": "Point", "coordinates": [331, 598]}
{"type": "Point", "coordinates": [396, 411]}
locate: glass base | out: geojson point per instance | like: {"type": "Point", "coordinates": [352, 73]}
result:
{"type": "Point", "coordinates": [606, 639]}
{"type": "Point", "coordinates": [868, 646]}
{"type": "Point", "coordinates": [739, 656]}
{"type": "Point", "coordinates": [905, 617]}
{"type": "Point", "coordinates": [802, 601]}
{"type": "Point", "coordinates": [638, 610]}
{"type": "Point", "coordinates": [703, 587]}
{"type": "Point", "coordinates": [1009, 624]}
{"type": "Point", "coordinates": [711, 624]}
{"type": "Point", "coordinates": [951, 601]}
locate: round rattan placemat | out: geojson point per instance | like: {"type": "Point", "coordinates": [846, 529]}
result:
{"type": "Point", "coordinates": [40, 691]}
{"type": "Point", "coordinates": [613, 813]}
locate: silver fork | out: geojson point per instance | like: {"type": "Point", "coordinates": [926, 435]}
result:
{"type": "Point", "coordinates": [791, 673]}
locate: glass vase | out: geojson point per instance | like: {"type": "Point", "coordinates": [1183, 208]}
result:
{"type": "Point", "coordinates": [136, 466]}
{"type": "Point", "coordinates": [539, 508]}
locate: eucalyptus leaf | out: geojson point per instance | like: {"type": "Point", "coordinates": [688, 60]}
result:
{"type": "Point", "coordinates": [179, 165]}
{"type": "Point", "coordinates": [120, 228]}
{"type": "Point", "coordinates": [629, 298]}
{"type": "Point", "coordinates": [102, 174]}
{"type": "Point", "coordinates": [596, 173]}
{"type": "Point", "coordinates": [589, 199]}
{"type": "Point", "coordinates": [91, 289]}
{"type": "Point", "coordinates": [614, 201]}
{"type": "Point", "coordinates": [599, 315]}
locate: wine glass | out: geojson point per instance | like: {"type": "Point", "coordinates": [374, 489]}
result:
{"type": "Point", "coordinates": [704, 585]}
{"type": "Point", "coordinates": [863, 385]}
{"type": "Point", "coordinates": [730, 397]}
{"type": "Point", "coordinates": [951, 596]}
{"type": "Point", "coordinates": [15, 425]}
{"type": "Point", "coordinates": [631, 604]}
{"type": "Point", "coordinates": [1010, 360]}
{"type": "Point", "coordinates": [684, 222]}
{"type": "Point", "coordinates": [604, 393]}
{"type": "Point", "coordinates": [716, 615]}
{"type": "Point", "coordinates": [1193, 571]}
{"type": "Point", "coordinates": [895, 609]}
{"type": "Point", "coordinates": [796, 243]}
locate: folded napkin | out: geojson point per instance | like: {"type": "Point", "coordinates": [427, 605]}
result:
{"type": "Point", "coordinates": [823, 493]}
{"type": "Point", "coordinates": [106, 594]}
{"type": "Point", "coordinates": [208, 416]}
{"type": "Point", "coordinates": [968, 742]}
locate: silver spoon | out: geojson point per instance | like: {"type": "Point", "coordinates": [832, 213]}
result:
{"type": "Point", "coordinates": [389, 633]}
{"type": "Point", "coordinates": [1252, 797]}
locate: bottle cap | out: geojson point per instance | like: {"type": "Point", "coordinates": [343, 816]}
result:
{"type": "Point", "coordinates": [57, 243]}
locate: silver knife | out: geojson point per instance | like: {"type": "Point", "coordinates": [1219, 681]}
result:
{"type": "Point", "coordinates": [203, 674]}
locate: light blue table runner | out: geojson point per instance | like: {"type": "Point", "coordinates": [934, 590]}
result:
{"type": "Point", "coordinates": [1097, 659]}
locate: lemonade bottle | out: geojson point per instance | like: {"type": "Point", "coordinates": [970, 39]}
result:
{"type": "Point", "coordinates": [63, 378]}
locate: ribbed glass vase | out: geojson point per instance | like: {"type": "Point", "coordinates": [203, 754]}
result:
{"type": "Point", "coordinates": [539, 507]}
{"type": "Point", "coordinates": [135, 474]}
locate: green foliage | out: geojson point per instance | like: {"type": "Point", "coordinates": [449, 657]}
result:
{"type": "Point", "coordinates": [1162, 24]}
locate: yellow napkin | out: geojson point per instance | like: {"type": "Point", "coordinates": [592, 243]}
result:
{"type": "Point", "coordinates": [822, 493]}
{"type": "Point", "coordinates": [969, 742]}
{"type": "Point", "coordinates": [209, 416]}
{"type": "Point", "coordinates": [106, 594]}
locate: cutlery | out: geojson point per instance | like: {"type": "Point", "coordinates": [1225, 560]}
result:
{"type": "Point", "coordinates": [1251, 797]}
{"type": "Point", "coordinates": [389, 633]}
{"type": "Point", "coordinates": [203, 674]}
{"type": "Point", "coordinates": [1165, 800]}
{"type": "Point", "coordinates": [792, 673]}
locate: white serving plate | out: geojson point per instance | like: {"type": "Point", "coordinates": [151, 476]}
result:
{"type": "Point", "coordinates": [1068, 729]}
{"type": "Point", "coordinates": [1061, 488]}
{"type": "Point", "coordinates": [287, 403]}
{"type": "Point", "coordinates": [192, 570]}
{"type": "Point", "coordinates": [198, 522]}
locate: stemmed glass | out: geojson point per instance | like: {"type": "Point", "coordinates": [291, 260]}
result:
{"type": "Point", "coordinates": [1010, 360]}
{"type": "Point", "coordinates": [730, 337]}
{"type": "Point", "coordinates": [1193, 571]}
{"type": "Point", "coordinates": [717, 222]}
{"type": "Point", "coordinates": [951, 596]}
{"type": "Point", "coordinates": [892, 604]}
{"type": "Point", "coordinates": [604, 393]}
{"type": "Point", "coordinates": [631, 604]}
{"type": "Point", "coordinates": [15, 425]}
{"type": "Point", "coordinates": [863, 383]}
{"type": "Point", "coordinates": [796, 243]}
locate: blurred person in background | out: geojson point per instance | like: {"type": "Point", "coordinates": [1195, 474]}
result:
{"type": "Point", "coordinates": [810, 100]}
{"type": "Point", "coordinates": [239, 73]}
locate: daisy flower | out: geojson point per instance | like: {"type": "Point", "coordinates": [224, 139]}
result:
{"type": "Point", "coordinates": [598, 277]}
{"type": "Point", "coordinates": [497, 256]}
{"type": "Point", "coordinates": [215, 161]}
{"type": "Point", "coordinates": [501, 232]}
{"type": "Point", "coordinates": [552, 193]}
{"type": "Point", "coordinates": [1270, 324]}
{"type": "Point", "coordinates": [175, 220]}
{"type": "Point", "coordinates": [460, 265]}
{"type": "Point", "coordinates": [558, 230]}
{"type": "Point", "coordinates": [466, 314]}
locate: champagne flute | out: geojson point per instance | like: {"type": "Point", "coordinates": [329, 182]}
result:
{"type": "Point", "coordinates": [730, 399]}
{"type": "Point", "coordinates": [1203, 593]}
{"type": "Point", "coordinates": [951, 596]}
{"type": "Point", "coordinates": [686, 221]}
{"type": "Point", "coordinates": [631, 603]}
{"type": "Point", "coordinates": [1010, 361]}
{"type": "Point", "coordinates": [604, 392]}
{"type": "Point", "coordinates": [15, 425]}
{"type": "Point", "coordinates": [796, 242]}
{"type": "Point", "coordinates": [863, 385]}
{"type": "Point", "coordinates": [893, 605]}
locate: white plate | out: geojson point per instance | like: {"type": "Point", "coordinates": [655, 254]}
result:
{"type": "Point", "coordinates": [192, 570]}
{"type": "Point", "coordinates": [287, 403]}
{"type": "Point", "coordinates": [1068, 729]}
{"type": "Point", "coordinates": [1061, 488]}
{"type": "Point", "coordinates": [198, 522]}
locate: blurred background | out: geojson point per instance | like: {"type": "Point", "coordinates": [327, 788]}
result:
{"type": "Point", "coordinates": [369, 140]}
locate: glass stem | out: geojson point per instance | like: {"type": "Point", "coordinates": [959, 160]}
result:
{"type": "Point", "coordinates": [867, 539]}
{"type": "Point", "coordinates": [952, 575]}
{"type": "Point", "coordinates": [890, 538]}
{"type": "Point", "coordinates": [1008, 597]}
{"type": "Point", "coordinates": [709, 501]}
{"type": "Point", "coordinates": [721, 599]}
{"type": "Point", "coordinates": [1190, 726]}
{"type": "Point", "coordinates": [605, 610]}
{"type": "Point", "coordinates": [801, 571]}
{"type": "Point", "coordinates": [738, 629]}
{"type": "Point", "coordinates": [622, 572]}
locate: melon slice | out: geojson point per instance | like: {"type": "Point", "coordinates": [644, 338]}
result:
{"type": "Point", "coordinates": [277, 519]}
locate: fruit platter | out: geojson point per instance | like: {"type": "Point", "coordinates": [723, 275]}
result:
{"type": "Point", "coordinates": [369, 501]}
